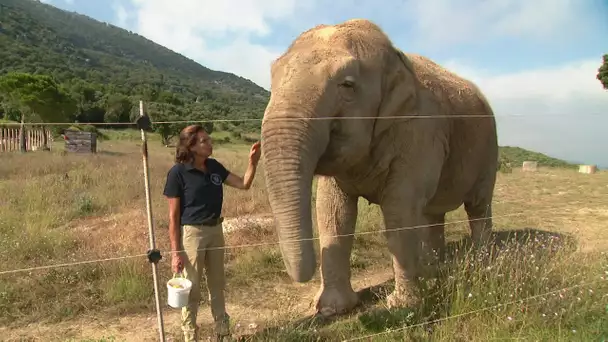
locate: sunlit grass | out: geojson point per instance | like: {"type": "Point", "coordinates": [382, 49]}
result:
{"type": "Point", "coordinates": [57, 208]}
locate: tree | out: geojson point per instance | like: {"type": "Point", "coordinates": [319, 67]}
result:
{"type": "Point", "coordinates": [168, 114]}
{"type": "Point", "coordinates": [602, 72]}
{"type": "Point", "coordinates": [118, 108]}
{"type": "Point", "coordinates": [37, 97]}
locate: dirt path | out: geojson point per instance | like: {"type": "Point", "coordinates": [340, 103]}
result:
{"type": "Point", "coordinates": [290, 301]}
{"type": "Point", "coordinates": [143, 327]}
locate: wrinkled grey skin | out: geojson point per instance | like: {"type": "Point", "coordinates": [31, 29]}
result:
{"type": "Point", "coordinates": [416, 170]}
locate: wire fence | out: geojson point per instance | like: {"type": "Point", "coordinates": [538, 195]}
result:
{"type": "Point", "coordinates": [271, 243]}
{"type": "Point", "coordinates": [552, 210]}
{"type": "Point", "coordinates": [356, 233]}
{"type": "Point", "coordinates": [468, 313]}
{"type": "Point", "coordinates": [297, 118]}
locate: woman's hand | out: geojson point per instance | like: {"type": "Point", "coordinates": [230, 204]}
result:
{"type": "Point", "coordinates": [245, 182]}
{"type": "Point", "coordinates": [177, 262]}
{"type": "Point", "coordinates": [254, 153]}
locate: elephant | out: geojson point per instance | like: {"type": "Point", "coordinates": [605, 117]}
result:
{"type": "Point", "coordinates": [371, 121]}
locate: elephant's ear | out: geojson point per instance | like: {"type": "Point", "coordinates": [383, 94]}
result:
{"type": "Point", "coordinates": [398, 91]}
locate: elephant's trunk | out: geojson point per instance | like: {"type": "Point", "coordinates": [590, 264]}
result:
{"type": "Point", "coordinates": [290, 151]}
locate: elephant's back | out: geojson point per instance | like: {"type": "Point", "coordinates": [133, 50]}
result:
{"type": "Point", "coordinates": [461, 95]}
{"type": "Point", "coordinates": [472, 138]}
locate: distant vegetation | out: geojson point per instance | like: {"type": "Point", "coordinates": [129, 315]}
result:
{"type": "Point", "coordinates": [63, 66]}
{"type": "Point", "coordinates": [106, 70]}
{"type": "Point", "coordinates": [602, 72]}
{"type": "Point", "coordinates": [69, 208]}
{"type": "Point", "coordinates": [517, 155]}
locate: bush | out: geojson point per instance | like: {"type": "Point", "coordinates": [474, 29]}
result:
{"type": "Point", "coordinates": [504, 165]}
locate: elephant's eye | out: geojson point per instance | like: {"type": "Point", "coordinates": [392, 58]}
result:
{"type": "Point", "coordinates": [348, 82]}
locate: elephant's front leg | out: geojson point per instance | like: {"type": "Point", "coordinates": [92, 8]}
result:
{"type": "Point", "coordinates": [405, 245]}
{"type": "Point", "coordinates": [336, 218]}
{"type": "Point", "coordinates": [407, 227]}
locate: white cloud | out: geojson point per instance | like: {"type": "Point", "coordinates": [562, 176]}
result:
{"type": "Point", "coordinates": [561, 110]}
{"type": "Point", "coordinates": [556, 84]}
{"type": "Point", "coordinates": [187, 26]}
{"type": "Point", "coordinates": [218, 34]}
{"type": "Point", "coordinates": [69, 2]}
{"type": "Point", "coordinates": [244, 59]}
{"type": "Point", "coordinates": [122, 16]}
{"type": "Point", "coordinates": [447, 22]}
{"type": "Point", "coordinates": [194, 27]}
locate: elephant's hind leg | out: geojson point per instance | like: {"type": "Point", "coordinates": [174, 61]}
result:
{"type": "Point", "coordinates": [479, 210]}
{"type": "Point", "coordinates": [336, 218]}
{"type": "Point", "coordinates": [436, 236]}
{"type": "Point", "coordinates": [480, 222]}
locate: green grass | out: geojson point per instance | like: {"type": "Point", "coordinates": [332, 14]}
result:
{"type": "Point", "coordinates": [474, 301]}
{"type": "Point", "coordinates": [67, 208]}
{"type": "Point", "coordinates": [517, 155]}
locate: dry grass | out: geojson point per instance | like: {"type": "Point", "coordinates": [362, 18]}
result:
{"type": "Point", "coordinates": [59, 208]}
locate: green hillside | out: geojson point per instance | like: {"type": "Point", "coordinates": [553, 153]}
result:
{"type": "Point", "coordinates": [517, 155]}
{"type": "Point", "coordinates": [108, 69]}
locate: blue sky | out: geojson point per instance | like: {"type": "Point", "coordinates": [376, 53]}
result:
{"type": "Point", "coordinates": [535, 60]}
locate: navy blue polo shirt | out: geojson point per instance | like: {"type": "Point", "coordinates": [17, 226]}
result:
{"type": "Point", "coordinates": [201, 193]}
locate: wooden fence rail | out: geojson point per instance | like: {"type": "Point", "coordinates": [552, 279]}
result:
{"type": "Point", "coordinates": [34, 139]}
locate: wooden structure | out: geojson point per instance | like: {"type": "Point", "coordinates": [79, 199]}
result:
{"type": "Point", "coordinates": [80, 141]}
{"type": "Point", "coordinates": [529, 166]}
{"type": "Point", "coordinates": [34, 139]}
{"type": "Point", "coordinates": [588, 169]}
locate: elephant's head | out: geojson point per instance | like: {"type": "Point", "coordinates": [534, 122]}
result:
{"type": "Point", "coordinates": [329, 72]}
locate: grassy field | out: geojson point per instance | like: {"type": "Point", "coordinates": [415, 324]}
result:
{"type": "Point", "coordinates": [60, 208]}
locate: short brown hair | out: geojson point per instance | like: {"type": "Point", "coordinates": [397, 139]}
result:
{"type": "Point", "coordinates": [187, 139]}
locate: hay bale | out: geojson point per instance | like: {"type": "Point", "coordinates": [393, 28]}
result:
{"type": "Point", "coordinates": [530, 166]}
{"type": "Point", "coordinates": [588, 169]}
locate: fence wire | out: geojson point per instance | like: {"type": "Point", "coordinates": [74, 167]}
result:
{"type": "Point", "coordinates": [379, 231]}
{"type": "Point", "coordinates": [391, 331]}
{"type": "Point", "coordinates": [396, 117]}
{"type": "Point", "coordinates": [270, 243]}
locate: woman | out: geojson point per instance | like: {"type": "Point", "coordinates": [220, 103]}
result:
{"type": "Point", "coordinates": [195, 195]}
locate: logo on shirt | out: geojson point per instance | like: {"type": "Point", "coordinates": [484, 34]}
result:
{"type": "Point", "coordinates": [216, 179]}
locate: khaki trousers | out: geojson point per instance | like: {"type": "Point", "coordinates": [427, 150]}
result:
{"type": "Point", "coordinates": [195, 240]}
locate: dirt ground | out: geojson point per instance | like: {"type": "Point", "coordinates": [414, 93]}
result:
{"type": "Point", "coordinates": [289, 301]}
{"type": "Point", "coordinates": [144, 327]}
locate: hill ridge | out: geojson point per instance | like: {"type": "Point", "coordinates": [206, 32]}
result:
{"type": "Point", "coordinates": [96, 60]}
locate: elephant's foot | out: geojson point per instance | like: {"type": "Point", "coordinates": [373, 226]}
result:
{"type": "Point", "coordinates": [402, 298]}
{"type": "Point", "coordinates": [483, 244]}
{"type": "Point", "coordinates": [335, 301]}
{"type": "Point", "coordinates": [431, 260]}
{"type": "Point", "coordinates": [482, 239]}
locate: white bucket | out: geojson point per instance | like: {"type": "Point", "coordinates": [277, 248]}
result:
{"type": "Point", "coordinates": [178, 290]}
